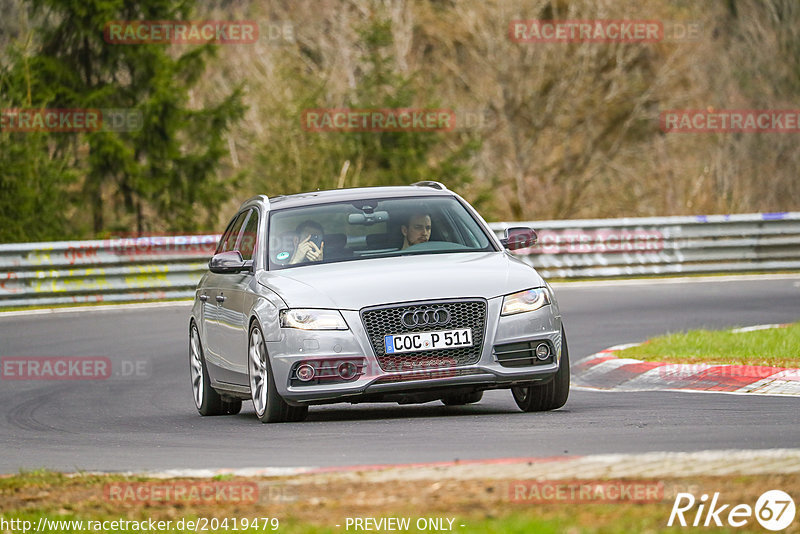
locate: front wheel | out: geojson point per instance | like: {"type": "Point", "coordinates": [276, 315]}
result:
{"type": "Point", "coordinates": [207, 400]}
{"type": "Point", "coordinates": [549, 396]}
{"type": "Point", "coordinates": [269, 406]}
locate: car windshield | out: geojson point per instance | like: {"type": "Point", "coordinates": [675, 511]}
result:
{"type": "Point", "coordinates": [372, 228]}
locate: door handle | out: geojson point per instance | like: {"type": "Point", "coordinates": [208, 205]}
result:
{"type": "Point", "coordinates": [203, 297]}
{"type": "Point", "coordinates": [220, 298]}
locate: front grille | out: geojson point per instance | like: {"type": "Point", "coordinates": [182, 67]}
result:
{"type": "Point", "coordinates": [379, 322]}
{"type": "Point", "coordinates": [522, 354]}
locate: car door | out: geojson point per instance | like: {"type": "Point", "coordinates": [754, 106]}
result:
{"type": "Point", "coordinates": [234, 308]}
{"type": "Point", "coordinates": [215, 358]}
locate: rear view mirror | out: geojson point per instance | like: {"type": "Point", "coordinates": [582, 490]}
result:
{"type": "Point", "coordinates": [519, 237]}
{"type": "Point", "coordinates": [229, 262]}
{"type": "Point", "coordinates": [368, 218]}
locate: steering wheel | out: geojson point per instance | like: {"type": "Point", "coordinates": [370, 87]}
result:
{"type": "Point", "coordinates": [436, 245]}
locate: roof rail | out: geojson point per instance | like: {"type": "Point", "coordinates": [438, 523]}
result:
{"type": "Point", "coordinates": [263, 198]}
{"type": "Point", "coordinates": [430, 183]}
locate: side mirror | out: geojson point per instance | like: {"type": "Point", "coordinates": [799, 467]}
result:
{"type": "Point", "coordinates": [229, 262]}
{"type": "Point", "coordinates": [519, 237]}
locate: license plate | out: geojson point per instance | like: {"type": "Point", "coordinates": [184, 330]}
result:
{"type": "Point", "coordinates": [444, 339]}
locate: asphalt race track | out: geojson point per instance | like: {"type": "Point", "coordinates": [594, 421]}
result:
{"type": "Point", "coordinates": [147, 420]}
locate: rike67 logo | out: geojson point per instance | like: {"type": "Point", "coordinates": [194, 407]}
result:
{"type": "Point", "coordinates": [774, 510]}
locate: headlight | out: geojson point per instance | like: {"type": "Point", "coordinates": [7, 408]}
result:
{"type": "Point", "coordinates": [525, 301]}
{"type": "Point", "coordinates": [310, 319]}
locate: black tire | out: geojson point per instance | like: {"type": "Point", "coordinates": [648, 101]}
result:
{"type": "Point", "coordinates": [461, 399]}
{"type": "Point", "coordinates": [550, 396]}
{"type": "Point", "coordinates": [270, 406]}
{"type": "Point", "coordinates": [206, 399]}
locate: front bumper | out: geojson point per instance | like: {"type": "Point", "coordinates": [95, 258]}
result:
{"type": "Point", "coordinates": [296, 346]}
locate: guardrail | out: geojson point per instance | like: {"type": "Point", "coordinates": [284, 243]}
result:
{"type": "Point", "coordinates": [592, 248]}
{"type": "Point", "coordinates": [164, 267]}
{"type": "Point", "coordinates": [109, 270]}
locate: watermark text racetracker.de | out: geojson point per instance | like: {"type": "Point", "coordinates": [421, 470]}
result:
{"type": "Point", "coordinates": [20, 368]}
{"type": "Point", "coordinates": [744, 373]}
{"type": "Point", "coordinates": [181, 32]}
{"type": "Point", "coordinates": [183, 491]}
{"type": "Point", "coordinates": [397, 120]}
{"type": "Point", "coordinates": [378, 120]}
{"type": "Point", "coordinates": [155, 244]}
{"type": "Point", "coordinates": [602, 31]}
{"type": "Point", "coordinates": [70, 120]}
{"type": "Point", "coordinates": [90, 252]}
{"type": "Point", "coordinates": [585, 491]}
{"type": "Point", "coordinates": [194, 32]}
{"type": "Point", "coordinates": [196, 492]}
{"type": "Point", "coordinates": [600, 241]}
{"type": "Point", "coordinates": [730, 120]}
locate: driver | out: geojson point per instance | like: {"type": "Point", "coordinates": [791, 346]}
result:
{"type": "Point", "coordinates": [416, 230]}
{"type": "Point", "coordinates": [308, 243]}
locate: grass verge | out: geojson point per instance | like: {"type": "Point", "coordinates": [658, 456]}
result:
{"type": "Point", "coordinates": [775, 347]}
{"type": "Point", "coordinates": [309, 504]}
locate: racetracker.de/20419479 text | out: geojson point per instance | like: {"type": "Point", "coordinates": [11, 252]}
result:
{"type": "Point", "coordinates": [200, 524]}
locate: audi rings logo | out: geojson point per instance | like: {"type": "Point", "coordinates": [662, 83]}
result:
{"type": "Point", "coordinates": [426, 317]}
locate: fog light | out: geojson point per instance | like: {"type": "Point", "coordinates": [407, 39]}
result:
{"type": "Point", "coordinates": [305, 372]}
{"type": "Point", "coordinates": [347, 370]}
{"type": "Point", "coordinates": [542, 351]}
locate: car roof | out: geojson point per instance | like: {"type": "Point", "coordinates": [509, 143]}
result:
{"type": "Point", "coordinates": [349, 194]}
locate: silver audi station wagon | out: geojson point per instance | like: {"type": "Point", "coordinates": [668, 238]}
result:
{"type": "Point", "coordinates": [399, 294]}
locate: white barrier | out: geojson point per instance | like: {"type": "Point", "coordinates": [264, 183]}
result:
{"type": "Point", "coordinates": [593, 248]}
{"type": "Point", "coordinates": [124, 269]}
{"type": "Point", "coordinates": [163, 267]}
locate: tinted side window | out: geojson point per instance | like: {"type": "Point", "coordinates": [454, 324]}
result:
{"type": "Point", "coordinates": [224, 237]}
{"type": "Point", "coordinates": [247, 241]}
{"type": "Point", "coordinates": [228, 241]}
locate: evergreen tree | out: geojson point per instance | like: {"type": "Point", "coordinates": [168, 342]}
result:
{"type": "Point", "coordinates": [157, 172]}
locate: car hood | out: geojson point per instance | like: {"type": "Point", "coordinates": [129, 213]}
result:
{"type": "Point", "coordinates": [354, 285]}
